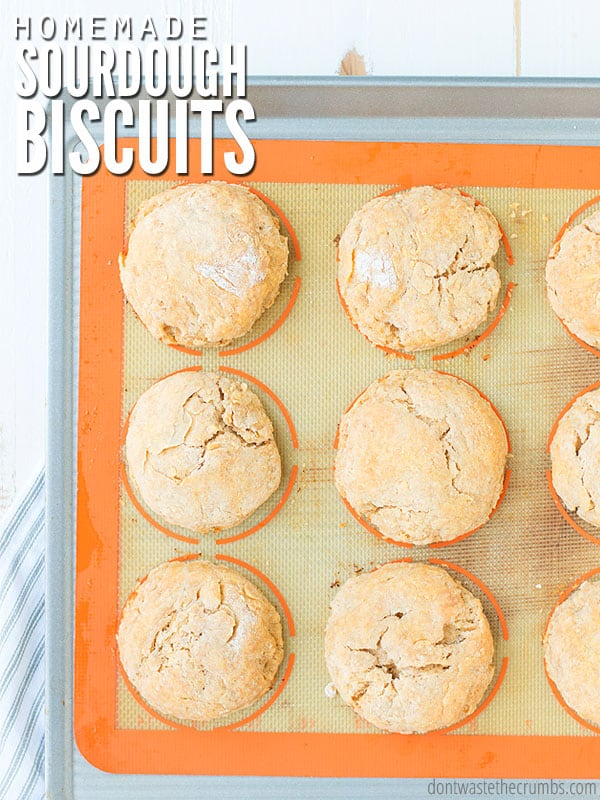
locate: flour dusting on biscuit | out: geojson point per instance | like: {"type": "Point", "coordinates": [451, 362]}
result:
{"type": "Point", "coordinates": [416, 268]}
{"type": "Point", "coordinates": [203, 262]}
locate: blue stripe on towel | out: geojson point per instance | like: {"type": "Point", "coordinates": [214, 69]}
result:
{"type": "Point", "coordinates": [22, 548]}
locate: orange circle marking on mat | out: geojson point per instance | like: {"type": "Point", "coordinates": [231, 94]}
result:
{"type": "Point", "coordinates": [276, 325]}
{"type": "Point", "coordinates": [490, 328]}
{"type": "Point", "coordinates": [268, 582]}
{"type": "Point", "coordinates": [269, 517]}
{"type": "Point", "coordinates": [271, 394]}
{"type": "Point", "coordinates": [483, 588]}
{"type": "Point", "coordinates": [565, 514]}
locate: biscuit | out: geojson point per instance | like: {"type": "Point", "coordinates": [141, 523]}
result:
{"type": "Point", "coordinates": [200, 451]}
{"type": "Point", "coordinates": [203, 262]}
{"type": "Point", "coordinates": [421, 456]}
{"type": "Point", "coordinates": [198, 640]}
{"type": "Point", "coordinates": [416, 268]}
{"type": "Point", "coordinates": [573, 279]}
{"type": "Point", "coordinates": [575, 454]}
{"type": "Point", "coordinates": [572, 650]}
{"type": "Point", "coordinates": [409, 648]}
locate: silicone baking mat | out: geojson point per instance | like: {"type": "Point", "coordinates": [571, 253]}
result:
{"type": "Point", "coordinates": [307, 363]}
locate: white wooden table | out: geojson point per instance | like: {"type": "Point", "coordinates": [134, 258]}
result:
{"type": "Point", "coordinates": [284, 37]}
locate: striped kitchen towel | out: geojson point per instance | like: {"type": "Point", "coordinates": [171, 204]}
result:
{"type": "Point", "coordinates": [22, 544]}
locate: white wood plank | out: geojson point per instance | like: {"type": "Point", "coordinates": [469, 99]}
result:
{"type": "Point", "coordinates": [287, 38]}
{"type": "Point", "coordinates": [465, 37]}
{"type": "Point", "coordinates": [23, 352]}
{"type": "Point", "coordinates": [462, 37]}
{"type": "Point", "coordinates": [560, 38]}
{"type": "Point", "coordinates": [31, 343]}
{"type": "Point", "coordinates": [7, 353]}
{"type": "Point", "coordinates": [9, 271]}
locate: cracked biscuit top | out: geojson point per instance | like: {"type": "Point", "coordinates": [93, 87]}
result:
{"type": "Point", "coordinates": [575, 454]}
{"type": "Point", "coordinates": [416, 268]}
{"type": "Point", "coordinates": [572, 650]}
{"type": "Point", "coordinates": [409, 648]}
{"type": "Point", "coordinates": [202, 263]}
{"type": "Point", "coordinates": [200, 451]}
{"type": "Point", "coordinates": [421, 456]}
{"type": "Point", "coordinates": [198, 640]}
{"type": "Point", "coordinates": [573, 279]}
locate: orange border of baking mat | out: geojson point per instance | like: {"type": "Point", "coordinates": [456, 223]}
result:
{"type": "Point", "coordinates": [99, 427]}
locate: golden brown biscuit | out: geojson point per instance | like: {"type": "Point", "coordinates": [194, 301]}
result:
{"type": "Point", "coordinates": [203, 262]}
{"type": "Point", "coordinates": [416, 268]}
{"type": "Point", "coordinates": [200, 450]}
{"type": "Point", "coordinates": [198, 640]}
{"type": "Point", "coordinates": [575, 453]}
{"type": "Point", "coordinates": [573, 279]}
{"type": "Point", "coordinates": [572, 650]}
{"type": "Point", "coordinates": [409, 648]}
{"type": "Point", "coordinates": [421, 456]}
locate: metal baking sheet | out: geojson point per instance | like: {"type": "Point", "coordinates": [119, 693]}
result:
{"type": "Point", "coordinates": [344, 110]}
